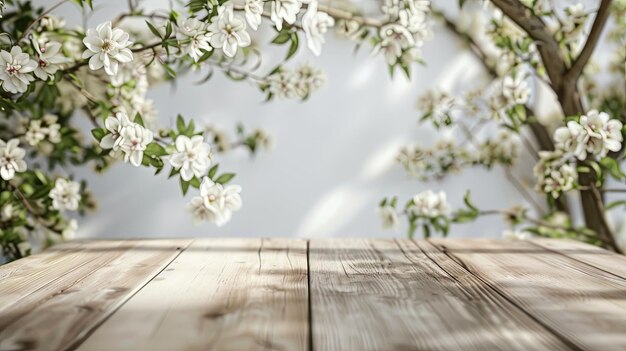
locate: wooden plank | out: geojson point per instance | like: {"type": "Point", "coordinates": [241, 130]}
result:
{"type": "Point", "coordinates": [98, 278]}
{"type": "Point", "coordinates": [220, 294]}
{"type": "Point", "coordinates": [377, 294]}
{"type": "Point", "coordinates": [589, 254]}
{"type": "Point", "coordinates": [24, 281]}
{"type": "Point", "coordinates": [580, 303]}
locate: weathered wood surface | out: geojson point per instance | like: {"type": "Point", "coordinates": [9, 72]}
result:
{"type": "Point", "coordinates": [234, 294]}
{"type": "Point", "coordinates": [582, 304]}
{"type": "Point", "coordinates": [322, 294]}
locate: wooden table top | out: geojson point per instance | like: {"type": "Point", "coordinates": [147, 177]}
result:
{"type": "Point", "coordinates": [322, 294]}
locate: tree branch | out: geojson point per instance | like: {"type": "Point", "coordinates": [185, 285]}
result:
{"type": "Point", "coordinates": [534, 26]}
{"type": "Point", "coordinates": [592, 40]}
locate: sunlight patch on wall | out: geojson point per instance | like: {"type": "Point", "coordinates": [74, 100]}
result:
{"type": "Point", "coordinates": [332, 212]}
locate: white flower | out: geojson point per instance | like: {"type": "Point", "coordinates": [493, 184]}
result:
{"type": "Point", "coordinates": [516, 235]}
{"type": "Point", "coordinates": [515, 90]}
{"type": "Point", "coordinates": [282, 84]}
{"type": "Point", "coordinates": [350, 29]}
{"type": "Point", "coordinates": [596, 134]}
{"type": "Point", "coordinates": [398, 34]}
{"type": "Point", "coordinates": [228, 32]}
{"type": "Point", "coordinates": [42, 129]}
{"type": "Point", "coordinates": [50, 59]}
{"type": "Point", "coordinates": [193, 157]}
{"type": "Point", "coordinates": [65, 195]}
{"type": "Point", "coordinates": [315, 25]}
{"type": "Point", "coordinates": [284, 10]}
{"type": "Point", "coordinates": [69, 232]}
{"type": "Point", "coordinates": [199, 212]}
{"type": "Point", "coordinates": [253, 10]}
{"type": "Point", "coordinates": [429, 204]}
{"type": "Point", "coordinates": [390, 49]}
{"type": "Point", "coordinates": [11, 159]}
{"type": "Point", "coordinates": [107, 47]}
{"type": "Point", "coordinates": [388, 217]}
{"type": "Point", "coordinates": [309, 79]}
{"type": "Point", "coordinates": [35, 132]}
{"type": "Point", "coordinates": [220, 201]}
{"type": "Point", "coordinates": [554, 174]}
{"type": "Point", "coordinates": [416, 23]}
{"type": "Point", "coordinates": [573, 22]}
{"type": "Point", "coordinates": [391, 8]}
{"type": "Point", "coordinates": [195, 31]}
{"type": "Point", "coordinates": [53, 128]}
{"type": "Point", "coordinates": [135, 139]}
{"type": "Point", "coordinates": [115, 125]}
{"type": "Point", "coordinates": [15, 70]}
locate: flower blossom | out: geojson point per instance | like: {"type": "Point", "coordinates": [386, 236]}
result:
{"type": "Point", "coordinates": [554, 174]}
{"type": "Point", "coordinates": [15, 70]}
{"type": "Point", "coordinates": [429, 204]}
{"type": "Point", "coordinates": [107, 47]}
{"type": "Point", "coordinates": [284, 10]}
{"type": "Point", "coordinates": [11, 159]}
{"type": "Point", "coordinates": [50, 59]}
{"type": "Point", "coordinates": [65, 195]}
{"type": "Point", "coordinates": [595, 134]}
{"type": "Point", "coordinates": [253, 10]}
{"type": "Point", "coordinates": [388, 217]}
{"type": "Point", "coordinates": [216, 203]}
{"type": "Point", "coordinates": [315, 25]}
{"type": "Point", "coordinates": [192, 157]}
{"type": "Point", "coordinates": [228, 32]}
{"type": "Point", "coordinates": [194, 31]}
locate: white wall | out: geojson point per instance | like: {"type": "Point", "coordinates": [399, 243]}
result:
{"type": "Point", "coordinates": [332, 159]}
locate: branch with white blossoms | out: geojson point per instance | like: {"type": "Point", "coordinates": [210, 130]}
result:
{"type": "Point", "coordinates": [529, 45]}
{"type": "Point", "coordinates": [430, 213]}
{"type": "Point", "coordinates": [50, 75]}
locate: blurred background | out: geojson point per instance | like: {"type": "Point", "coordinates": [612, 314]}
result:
{"type": "Point", "coordinates": [333, 156]}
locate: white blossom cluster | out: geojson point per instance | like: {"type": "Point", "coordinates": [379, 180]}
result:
{"type": "Point", "coordinates": [554, 174]}
{"type": "Point", "coordinates": [429, 204]}
{"type": "Point", "coordinates": [126, 138]}
{"type": "Point", "coordinates": [433, 163]}
{"type": "Point", "coordinates": [216, 202]}
{"type": "Point", "coordinates": [592, 137]}
{"type": "Point", "coordinates": [407, 30]}
{"type": "Point", "coordinates": [503, 150]}
{"type": "Point", "coordinates": [285, 83]}
{"type": "Point", "coordinates": [45, 129]}
{"type": "Point", "coordinates": [11, 159]}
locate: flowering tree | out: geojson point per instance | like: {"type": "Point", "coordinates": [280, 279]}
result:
{"type": "Point", "coordinates": [530, 47]}
{"type": "Point", "coordinates": [52, 75]}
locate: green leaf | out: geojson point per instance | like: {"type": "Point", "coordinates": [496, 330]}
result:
{"type": "Point", "coordinates": [213, 171]}
{"type": "Point", "coordinates": [184, 186]}
{"type": "Point", "coordinates": [98, 133]}
{"type": "Point", "coordinates": [614, 204]}
{"type": "Point", "coordinates": [293, 48]}
{"type": "Point", "coordinates": [613, 167]}
{"type": "Point", "coordinates": [138, 119]}
{"type": "Point", "coordinates": [468, 202]}
{"type": "Point", "coordinates": [154, 149]}
{"type": "Point", "coordinates": [180, 124]}
{"type": "Point", "coordinates": [225, 178]}
{"type": "Point", "coordinates": [281, 38]}
{"type": "Point", "coordinates": [154, 30]}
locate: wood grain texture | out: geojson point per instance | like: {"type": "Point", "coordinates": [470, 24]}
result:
{"type": "Point", "coordinates": [589, 254]}
{"type": "Point", "coordinates": [584, 305]}
{"type": "Point", "coordinates": [369, 294]}
{"type": "Point", "coordinates": [219, 294]}
{"type": "Point", "coordinates": [84, 288]}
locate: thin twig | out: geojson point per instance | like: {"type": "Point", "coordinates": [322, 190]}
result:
{"type": "Point", "coordinates": [44, 14]}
